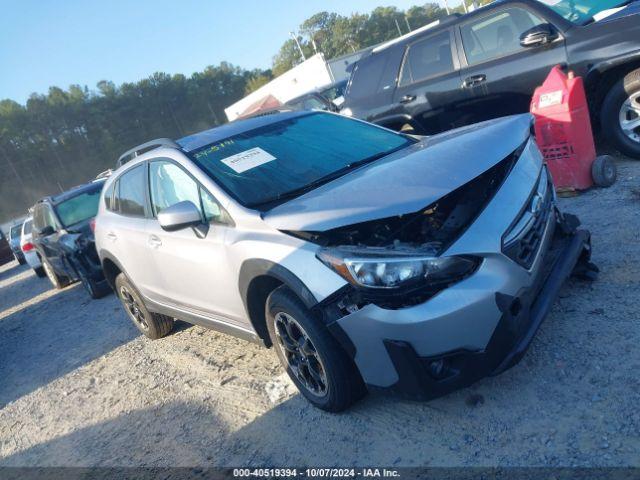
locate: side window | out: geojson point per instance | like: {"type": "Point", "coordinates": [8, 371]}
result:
{"type": "Point", "coordinates": [496, 35]}
{"type": "Point", "coordinates": [376, 73]}
{"type": "Point", "coordinates": [213, 212]}
{"type": "Point", "coordinates": [131, 187]}
{"type": "Point", "coordinates": [430, 57]}
{"type": "Point", "coordinates": [170, 184]}
{"type": "Point", "coordinates": [49, 219]}
{"type": "Point", "coordinates": [38, 218]}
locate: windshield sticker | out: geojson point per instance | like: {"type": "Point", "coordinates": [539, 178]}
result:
{"type": "Point", "coordinates": [243, 161]}
{"type": "Point", "coordinates": [213, 148]}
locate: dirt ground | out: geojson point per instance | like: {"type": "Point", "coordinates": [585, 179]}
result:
{"type": "Point", "coordinates": [81, 387]}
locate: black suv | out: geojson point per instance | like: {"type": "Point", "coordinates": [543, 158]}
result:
{"type": "Point", "coordinates": [63, 237]}
{"type": "Point", "coordinates": [487, 64]}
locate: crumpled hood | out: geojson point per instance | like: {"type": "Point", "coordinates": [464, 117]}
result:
{"type": "Point", "coordinates": [405, 181]}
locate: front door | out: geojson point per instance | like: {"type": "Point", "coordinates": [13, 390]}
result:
{"type": "Point", "coordinates": [499, 73]}
{"type": "Point", "coordinates": [193, 271]}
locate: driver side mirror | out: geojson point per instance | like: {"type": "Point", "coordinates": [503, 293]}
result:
{"type": "Point", "coordinates": [180, 215]}
{"type": "Point", "coordinates": [539, 35]}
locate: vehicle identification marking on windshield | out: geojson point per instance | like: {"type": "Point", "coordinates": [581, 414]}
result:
{"type": "Point", "coordinates": [550, 99]}
{"type": "Point", "coordinates": [214, 148]}
{"type": "Point", "coordinates": [252, 158]}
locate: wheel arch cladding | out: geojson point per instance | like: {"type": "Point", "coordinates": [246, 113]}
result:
{"type": "Point", "coordinates": [111, 269]}
{"type": "Point", "coordinates": [602, 77]}
{"type": "Point", "coordinates": [257, 279]}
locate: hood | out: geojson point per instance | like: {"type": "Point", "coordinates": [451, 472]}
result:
{"type": "Point", "coordinates": [405, 181]}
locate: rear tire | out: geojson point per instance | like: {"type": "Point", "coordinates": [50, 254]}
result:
{"type": "Point", "coordinates": [58, 281]}
{"type": "Point", "coordinates": [620, 115]}
{"type": "Point", "coordinates": [603, 171]}
{"type": "Point", "coordinates": [21, 260]}
{"type": "Point", "coordinates": [152, 325]}
{"type": "Point", "coordinates": [315, 362]}
{"type": "Point", "coordinates": [40, 273]}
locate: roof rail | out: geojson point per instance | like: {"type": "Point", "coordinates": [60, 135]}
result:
{"type": "Point", "coordinates": [145, 147]}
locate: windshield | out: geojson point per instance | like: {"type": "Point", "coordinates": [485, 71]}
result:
{"type": "Point", "coordinates": [266, 164]}
{"type": "Point", "coordinates": [79, 208]}
{"type": "Point", "coordinates": [581, 11]}
{"type": "Point", "coordinates": [15, 232]}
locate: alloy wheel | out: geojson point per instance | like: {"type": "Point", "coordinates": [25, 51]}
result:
{"type": "Point", "coordinates": [629, 117]}
{"type": "Point", "coordinates": [301, 354]}
{"type": "Point", "coordinates": [133, 308]}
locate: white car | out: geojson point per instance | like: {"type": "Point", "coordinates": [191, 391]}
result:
{"type": "Point", "coordinates": [30, 253]}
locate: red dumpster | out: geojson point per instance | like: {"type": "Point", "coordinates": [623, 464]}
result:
{"type": "Point", "coordinates": [563, 133]}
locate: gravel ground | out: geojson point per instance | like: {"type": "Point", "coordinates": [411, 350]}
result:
{"type": "Point", "coordinates": [81, 387]}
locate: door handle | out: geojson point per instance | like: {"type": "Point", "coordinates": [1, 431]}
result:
{"type": "Point", "coordinates": [154, 241]}
{"type": "Point", "coordinates": [112, 236]}
{"type": "Point", "coordinates": [474, 80]}
{"type": "Point", "coordinates": [407, 98]}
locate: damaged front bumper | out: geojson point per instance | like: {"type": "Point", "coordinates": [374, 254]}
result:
{"type": "Point", "coordinates": [479, 327]}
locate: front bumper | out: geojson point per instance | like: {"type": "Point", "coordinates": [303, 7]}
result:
{"type": "Point", "coordinates": [426, 358]}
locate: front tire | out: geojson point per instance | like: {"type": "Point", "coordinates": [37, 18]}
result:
{"type": "Point", "coordinates": [315, 362]}
{"type": "Point", "coordinates": [152, 325]}
{"type": "Point", "coordinates": [95, 289]}
{"type": "Point", "coordinates": [620, 115]}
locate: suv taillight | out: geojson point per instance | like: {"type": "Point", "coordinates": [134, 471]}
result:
{"type": "Point", "coordinates": [27, 247]}
{"type": "Point", "coordinates": [92, 225]}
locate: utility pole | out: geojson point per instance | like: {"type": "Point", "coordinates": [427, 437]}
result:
{"type": "Point", "coordinates": [407, 21]}
{"type": "Point", "coordinates": [295, 39]}
{"type": "Point", "coordinates": [313, 41]}
{"type": "Point", "coordinates": [464, 4]}
{"type": "Point", "coordinates": [398, 26]}
{"type": "Point", "coordinates": [446, 7]}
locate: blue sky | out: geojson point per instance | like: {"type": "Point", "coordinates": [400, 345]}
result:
{"type": "Point", "coordinates": [46, 42]}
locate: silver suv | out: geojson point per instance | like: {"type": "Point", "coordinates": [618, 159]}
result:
{"type": "Point", "coordinates": [368, 258]}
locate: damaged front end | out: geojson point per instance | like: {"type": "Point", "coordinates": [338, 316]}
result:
{"type": "Point", "coordinates": [397, 261]}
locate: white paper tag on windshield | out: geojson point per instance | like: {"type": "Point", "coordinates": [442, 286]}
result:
{"type": "Point", "coordinates": [243, 161]}
{"type": "Point", "coordinates": [550, 99]}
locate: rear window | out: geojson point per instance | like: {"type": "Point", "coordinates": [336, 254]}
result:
{"type": "Point", "coordinates": [375, 74]}
{"type": "Point", "coordinates": [28, 225]}
{"type": "Point", "coordinates": [278, 159]}
{"type": "Point", "coordinates": [79, 208]}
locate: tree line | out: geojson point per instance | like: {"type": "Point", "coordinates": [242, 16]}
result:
{"type": "Point", "coordinates": [65, 137]}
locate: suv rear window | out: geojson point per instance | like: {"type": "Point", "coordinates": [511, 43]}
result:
{"type": "Point", "coordinates": [375, 74]}
{"type": "Point", "coordinates": [14, 232]}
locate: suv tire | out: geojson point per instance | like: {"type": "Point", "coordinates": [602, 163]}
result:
{"type": "Point", "coordinates": [152, 325]}
{"type": "Point", "coordinates": [315, 362]}
{"type": "Point", "coordinates": [58, 281]}
{"type": "Point", "coordinates": [40, 273]}
{"type": "Point", "coordinates": [621, 104]}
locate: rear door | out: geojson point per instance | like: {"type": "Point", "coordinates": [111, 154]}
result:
{"type": "Point", "coordinates": [370, 91]}
{"type": "Point", "coordinates": [126, 228]}
{"type": "Point", "coordinates": [499, 73]}
{"type": "Point", "coordinates": [429, 86]}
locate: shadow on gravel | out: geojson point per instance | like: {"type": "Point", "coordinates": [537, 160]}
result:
{"type": "Point", "coordinates": [54, 335]}
{"type": "Point", "coordinates": [160, 436]}
{"type": "Point", "coordinates": [21, 286]}
{"type": "Point", "coordinates": [9, 269]}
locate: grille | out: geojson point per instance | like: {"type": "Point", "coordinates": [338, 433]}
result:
{"type": "Point", "coordinates": [523, 241]}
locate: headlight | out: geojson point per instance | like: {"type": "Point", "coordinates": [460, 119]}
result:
{"type": "Point", "coordinates": [364, 269]}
